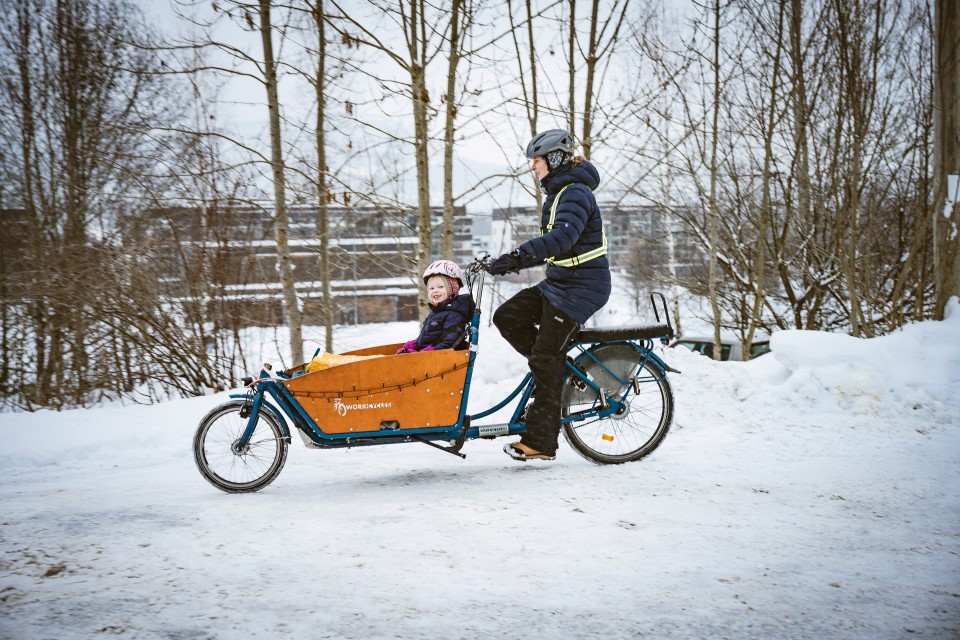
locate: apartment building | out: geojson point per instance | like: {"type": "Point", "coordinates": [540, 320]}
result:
{"type": "Point", "coordinates": [505, 228]}
{"type": "Point", "coordinates": [372, 254]}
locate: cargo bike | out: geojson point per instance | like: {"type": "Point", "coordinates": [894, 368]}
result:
{"type": "Point", "coordinates": [617, 404]}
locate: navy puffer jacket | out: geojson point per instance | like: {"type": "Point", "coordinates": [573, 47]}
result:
{"type": "Point", "coordinates": [579, 291]}
{"type": "Point", "coordinates": [446, 322]}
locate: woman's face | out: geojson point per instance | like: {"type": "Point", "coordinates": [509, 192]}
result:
{"type": "Point", "coordinates": [539, 167]}
{"type": "Point", "coordinates": [436, 290]}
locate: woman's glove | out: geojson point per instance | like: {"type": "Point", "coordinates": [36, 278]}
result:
{"type": "Point", "coordinates": [408, 347]}
{"type": "Point", "coordinates": [507, 263]}
{"type": "Point", "coordinates": [428, 348]}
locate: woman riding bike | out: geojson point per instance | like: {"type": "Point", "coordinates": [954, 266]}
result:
{"type": "Point", "coordinates": [540, 321]}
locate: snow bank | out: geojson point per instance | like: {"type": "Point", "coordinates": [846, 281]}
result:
{"type": "Point", "coordinates": [914, 369]}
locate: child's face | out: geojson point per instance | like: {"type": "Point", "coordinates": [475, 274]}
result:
{"type": "Point", "coordinates": [436, 290]}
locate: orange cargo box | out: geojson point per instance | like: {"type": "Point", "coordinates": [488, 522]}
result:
{"type": "Point", "coordinates": [414, 390]}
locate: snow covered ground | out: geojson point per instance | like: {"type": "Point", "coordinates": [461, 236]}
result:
{"type": "Point", "coordinates": [812, 493]}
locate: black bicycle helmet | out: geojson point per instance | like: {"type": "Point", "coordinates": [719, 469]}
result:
{"type": "Point", "coordinates": [552, 140]}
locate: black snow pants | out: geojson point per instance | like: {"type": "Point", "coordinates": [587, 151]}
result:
{"type": "Point", "coordinates": [545, 349]}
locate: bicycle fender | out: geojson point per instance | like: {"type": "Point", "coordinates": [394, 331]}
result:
{"type": "Point", "coordinates": [648, 354]}
{"type": "Point", "coordinates": [268, 406]}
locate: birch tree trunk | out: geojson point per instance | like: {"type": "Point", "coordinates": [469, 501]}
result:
{"type": "Point", "coordinates": [456, 30]}
{"type": "Point", "coordinates": [415, 30]}
{"type": "Point", "coordinates": [323, 187]}
{"type": "Point", "coordinates": [946, 210]}
{"type": "Point", "coordinates": [801, 160]}
{"type": "Point", "coordinates": [597, 49]}
{"type": "Point", "coordinates": [76, 109]}
{"type": "Point", "coordinates": [713, 212]}
{"type": "Point", "coordinates": [281, 219]}
{"type": "Point", "coordinates": [850, 64]}
{"type": "Point", "coordinates": [586, 141]}
{"type": "Point", "coordinates": [531, 100]}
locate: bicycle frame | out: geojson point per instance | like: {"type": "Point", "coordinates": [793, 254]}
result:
{"type": "Point", "coordinates": [268, 394]}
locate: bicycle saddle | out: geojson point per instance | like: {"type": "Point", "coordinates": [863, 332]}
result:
{"type": "Point", "coordinates": [646, 332]}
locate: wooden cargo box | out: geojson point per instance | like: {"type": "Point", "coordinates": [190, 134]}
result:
{"type": "Point", "coordinates": [413, 390]}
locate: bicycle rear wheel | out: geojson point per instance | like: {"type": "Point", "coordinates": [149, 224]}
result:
{"type": "Point", "coordinates": [639, 427]}
{"type": "Point", "coordinates": [232, 468]}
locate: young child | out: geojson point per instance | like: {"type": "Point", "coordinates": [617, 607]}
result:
{"type": "Point", "coordinates": [450, 310]}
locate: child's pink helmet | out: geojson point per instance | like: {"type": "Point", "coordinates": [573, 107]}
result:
{"type": "Point", "coordinates": [444, 268]}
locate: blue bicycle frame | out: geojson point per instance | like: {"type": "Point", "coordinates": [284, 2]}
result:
{"type": "Point", "coordinates": [268, 394]}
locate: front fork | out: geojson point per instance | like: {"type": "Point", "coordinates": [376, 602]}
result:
{"type": "Point", "coordinates": [251, 411]}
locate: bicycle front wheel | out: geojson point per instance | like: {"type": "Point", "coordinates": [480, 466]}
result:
{"type": "Point", "coordinates": [638, 427]}
{"type": "Point", "coordinates": [230, 467]}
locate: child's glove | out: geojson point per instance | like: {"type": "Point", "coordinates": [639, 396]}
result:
{"type": "Point", "coordinates": [428, 348]}
{"type": "Point", "coordinates": [408, 347]}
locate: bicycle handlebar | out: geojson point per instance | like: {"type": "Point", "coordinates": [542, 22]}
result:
{"type": "Point", "coordinates": [476, 270]}
{"type": "Point", "coordinates": [479, 263]}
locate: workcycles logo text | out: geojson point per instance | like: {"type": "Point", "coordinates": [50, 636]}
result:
{"type": "Point", "coordinates": [341, 407]}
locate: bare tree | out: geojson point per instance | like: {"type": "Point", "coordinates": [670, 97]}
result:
{"type": "Point", "coordinates": [233, 61]}
{"type": "Point", "coordinates": [418, 33]}
{"type": "Point", "coordinates": [281, 221]}
{"type": "Point", "coordinates": [528, 87]}
{"type": "Point", "coordinates": [323, 184]}
{"type": "Point", "coordinates": [800, 169]}
{"type": "Point", "coordinates": [850, 41]}
{"type": "Point", "coordinates": [770, 42]}
{"type": "Point", "coordinates": [713, 213]}
{"type": "Point", "coordinates": [946, 210]}
{"type": "Point", "coordinates": [460, 16]}
{"type": "Point", "coordinates": [697, 75]}
{"type": "Point", "coordinates": [601, 43]}
{"type": "Point", "coordinates": [818, 190]}
{"type": "Point", "coordinates": [910, 290]}
{"type": "Point", "coordinates": [79, 97]}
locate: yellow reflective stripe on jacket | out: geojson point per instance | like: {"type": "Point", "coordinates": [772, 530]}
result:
{"type": "Point", "coordinates": [553, 212]}
{"type": "Point", "coordinates": [583, 257]}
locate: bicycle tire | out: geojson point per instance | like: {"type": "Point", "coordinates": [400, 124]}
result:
{"type": "Point", "coordinates": [639, 428]}
{"type": "Point", "coordinates": [239, 471]}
